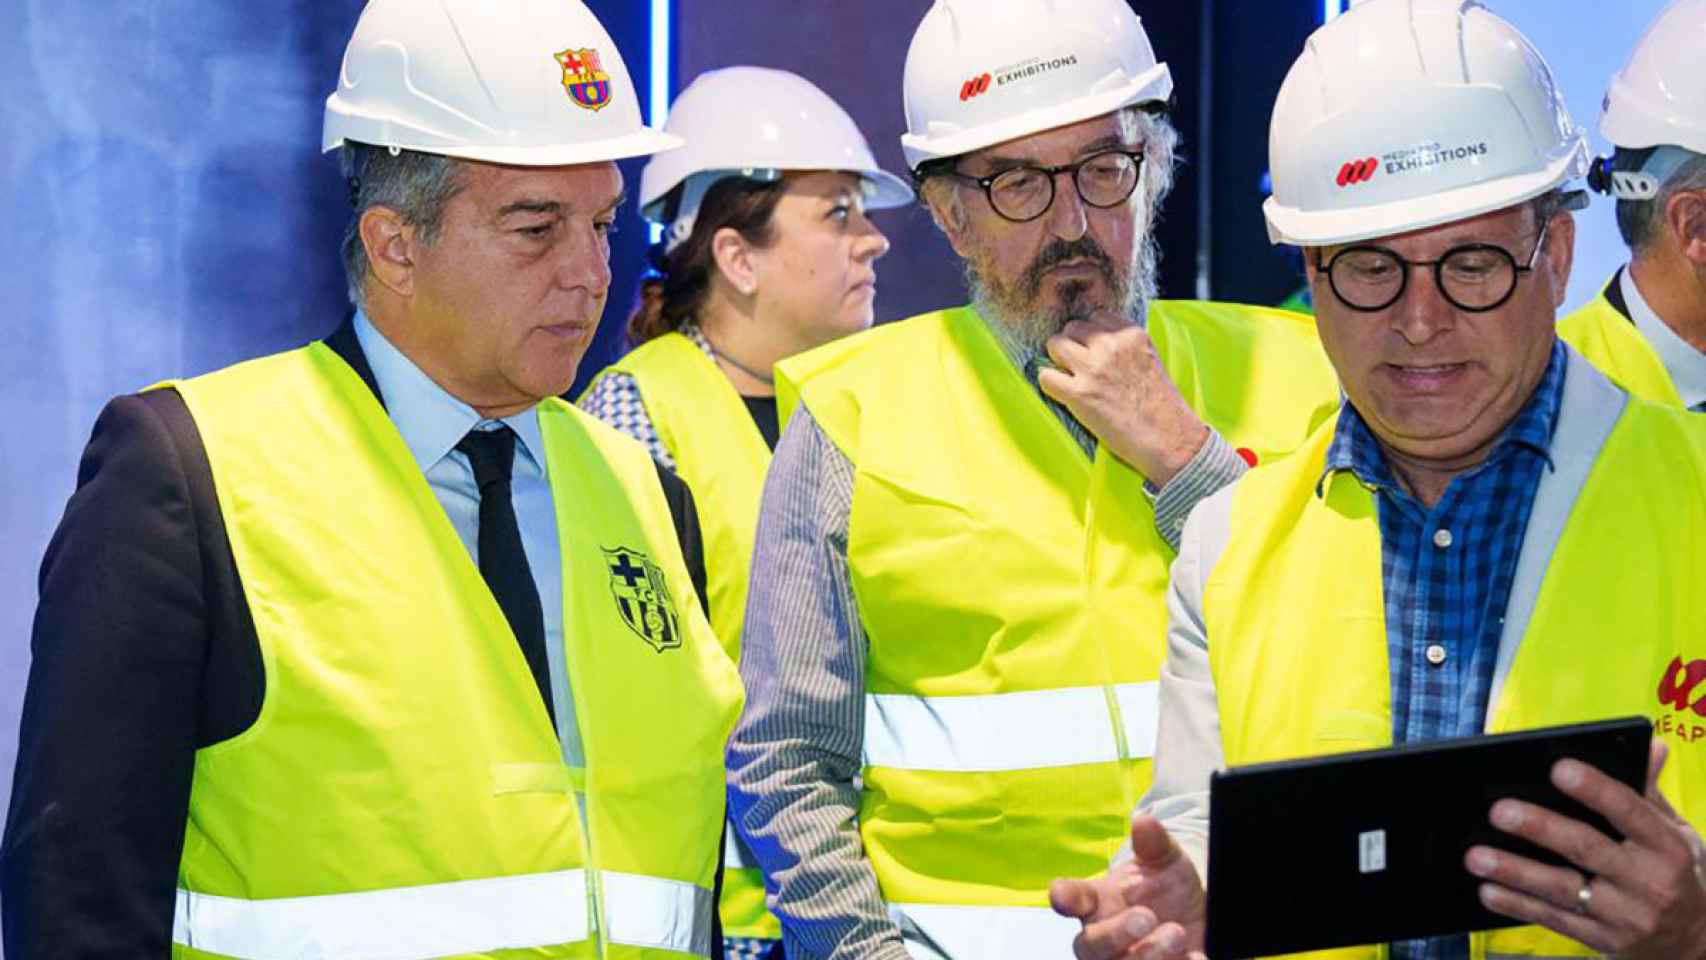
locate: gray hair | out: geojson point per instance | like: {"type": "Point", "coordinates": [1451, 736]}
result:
{"type": "Point", "coordinates": [1641, 222]}
{"type": "Point", "coordinates": [1160, 158]}
{"type": "Point", "coordinates": [1555, 201]}
{"type": "Point", "coordinates": [416, 185]}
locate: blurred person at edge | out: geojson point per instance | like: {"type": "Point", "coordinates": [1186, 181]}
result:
{"type": "Point", "coordinates": [767, 253]}
{"type": "Point", "coordinates": [411, 665]}
{"type": "Point", "coordinates": [1647, 329]}
{"type": "Point", "coordinates": [970, 512]}
{"type": "Point", "coordinates": [1516, 542]}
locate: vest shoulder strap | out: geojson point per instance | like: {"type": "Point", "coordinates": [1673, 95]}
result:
{"type": "Point", "coordinates": [1257, 375]}
{"type": "Point", "coordinates": [695, 410]}
{"type": "Point", "coordinates": [836, 381]}
{"type": "Point", "coordinates": [1613, 344]}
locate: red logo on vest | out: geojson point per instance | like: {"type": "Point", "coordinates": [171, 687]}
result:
{"type": "Point", "coordinates": [1358, 171]}
{"type": "Point", "coordinates": [974, 86]}
{"type": "Point", "coordinates": [1681, 681]}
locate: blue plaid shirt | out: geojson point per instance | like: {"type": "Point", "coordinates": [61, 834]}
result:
{"type": "Point", "coordinates": [1447, 574]}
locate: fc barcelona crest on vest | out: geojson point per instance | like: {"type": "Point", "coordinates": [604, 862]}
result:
{"type": "Point", "coordinates": [584, 78]}
{"type": "Point", "coordinates": [642, 598]}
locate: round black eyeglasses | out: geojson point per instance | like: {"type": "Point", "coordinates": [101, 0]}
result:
{"type": "Point", "coordinates": [1024, 193]}
{"type": "Point", "coordinates": [1475, 277]}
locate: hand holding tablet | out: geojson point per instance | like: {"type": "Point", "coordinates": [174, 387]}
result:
{"type": "Point", "coordinates": [1642, 897]}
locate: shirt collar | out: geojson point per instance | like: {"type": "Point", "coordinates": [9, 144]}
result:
{"type": "Point", "coordinates": [1355, 450]}
{"type": "Point", "coordinates": [1686, 365]}
{"type": "Point", "coordinates": [431, 420]}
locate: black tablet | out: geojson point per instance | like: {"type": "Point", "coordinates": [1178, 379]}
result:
{"type": "Point", "coordinates": [1368, 847]}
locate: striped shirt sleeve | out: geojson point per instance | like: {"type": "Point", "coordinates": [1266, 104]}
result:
{"type": "Point", "coordinates": [1216, 465]}
{"type": "Point", "coordinates": [796, 752]}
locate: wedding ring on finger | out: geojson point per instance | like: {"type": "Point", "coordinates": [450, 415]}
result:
{"type": "Point", "coordinates": [1584, 897]}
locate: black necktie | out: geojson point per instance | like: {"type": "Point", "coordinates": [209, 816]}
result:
{"type": "Point", "coordinates": [503, 562]}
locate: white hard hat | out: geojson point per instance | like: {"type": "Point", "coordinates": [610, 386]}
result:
{"type": "Point", "coordinates": [980, 73]}
{"type": "Point", "coordinates": [528, 82]}
{"type": "Point", "coordinates": [1405, 114]}
{"type": "Point", "coordinates": [1659, 97]}
{"type": "Point", "coordinates": [756, 122]}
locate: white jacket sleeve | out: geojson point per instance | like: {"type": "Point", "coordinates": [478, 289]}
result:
{"type": "Point", "coordinates": [1188, 747]}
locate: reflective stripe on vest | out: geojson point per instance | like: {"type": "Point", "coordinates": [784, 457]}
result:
{"type": "Point", "coordinates": [441, 919]}
{"type": "Point", "coordinates": [1030, 730]}
{"type": "Point", "coordinates": [649, 912]}
{"type": "Point", "coordinates": [983, 932]}
{"type": "Point", "coordinates": [403, 923]}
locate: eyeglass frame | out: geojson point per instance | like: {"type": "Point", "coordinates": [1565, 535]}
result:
{"type": "Point", "coordinates": [1050, 173]}
{"type": "Point", "coordinates": [1438, 265]}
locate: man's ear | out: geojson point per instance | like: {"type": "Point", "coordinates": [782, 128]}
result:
{"type": "Point", "coordinates": [1309, 260]}
{"type": "Point", "coordinates": [949, 214]}
{"type": "Point", "coordinates": [1685, 218]}
{"type": "Point", "coordinates": [391, 246]}
{"type": "Point", "coordinates": [733, 257]}
{"type": "Point", "coordinates": [1560, 255]}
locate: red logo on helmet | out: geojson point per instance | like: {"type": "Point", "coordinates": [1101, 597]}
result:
{"type": "Point", "coordinates": [974, 86]}
{"type": "Point", "coordinates": [1680, 681]}
{"type": "Point", "coordinates": [1358, 171]}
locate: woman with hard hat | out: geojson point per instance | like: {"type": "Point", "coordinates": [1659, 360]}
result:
{"type": "Point", "coordinates": [767, 253]}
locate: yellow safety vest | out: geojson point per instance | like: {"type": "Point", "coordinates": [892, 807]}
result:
{"type": "Point", "coordinates": [1298, 647]}
{"type": "Point", "coordinates": [718, 450]}
{"type": "Point", "coordinates": [1613, 344]}
{"type": "Point", "coordinates": [402, 793]}
{"type": "Point", "coordinates": [1012, 593]}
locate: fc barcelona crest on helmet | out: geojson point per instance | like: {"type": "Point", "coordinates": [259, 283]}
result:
{"type": "Point", "coordinates": [584, 78]}
{"type": "Point", "coordinates": [642, 598]}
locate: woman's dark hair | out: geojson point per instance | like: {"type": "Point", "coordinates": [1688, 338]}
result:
{"type": "Point", "coordinates": [742, 205]}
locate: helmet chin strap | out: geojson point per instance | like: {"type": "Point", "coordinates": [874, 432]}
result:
{"type": "Point", "coordinates": [685, 207]}
{"type": "Point", "coordinates": [1641, 184]}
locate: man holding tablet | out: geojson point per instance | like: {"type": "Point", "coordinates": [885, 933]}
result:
{"type": "Point", "coordinates": [1489, 537]}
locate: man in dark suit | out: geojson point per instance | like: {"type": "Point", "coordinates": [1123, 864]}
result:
{"type": "Point", "coordinates": [366, 649]}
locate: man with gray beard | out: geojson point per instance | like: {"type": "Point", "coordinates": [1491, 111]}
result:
{"type": "Point", "coordinates": [956, 616]}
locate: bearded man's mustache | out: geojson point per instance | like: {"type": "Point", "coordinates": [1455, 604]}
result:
{"type": "Point", "coordinates": [1060, 251]}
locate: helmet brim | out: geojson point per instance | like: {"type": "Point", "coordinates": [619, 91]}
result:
{"type": "Point", "coordinates": [642, 142]}
{"type": "Point", "coordinates": [887, 190]}
{"type": "Point", "coordinates": [1289, 225]}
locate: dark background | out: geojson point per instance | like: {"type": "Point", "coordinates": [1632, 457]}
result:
{"type": "Point", "coordinates": [166, 210]}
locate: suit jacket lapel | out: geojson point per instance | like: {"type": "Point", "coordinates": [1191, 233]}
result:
{"type": "Point", "coordinates": [345, 344]}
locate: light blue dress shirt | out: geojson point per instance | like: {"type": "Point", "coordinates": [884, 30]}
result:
{"type": "Point", "coordinates": [432, 422]}
{"type": "Point", "coordinates": [1686, 365]}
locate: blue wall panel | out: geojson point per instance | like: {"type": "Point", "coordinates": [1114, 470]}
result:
{"type": "Point", "coordinates": [166, 212]}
